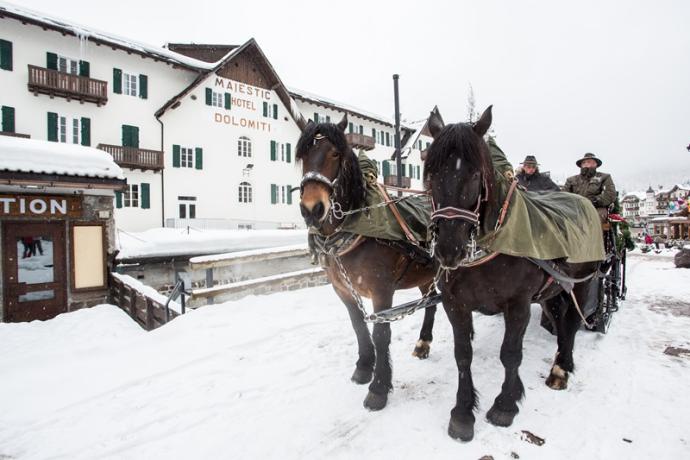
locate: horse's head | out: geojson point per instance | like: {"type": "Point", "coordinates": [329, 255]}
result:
{"type": "Point", "coordinates": [459, 172]}
{"type": "Point", "coordinates": [330, 171]}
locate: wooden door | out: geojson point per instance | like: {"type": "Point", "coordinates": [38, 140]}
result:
{"type": "Point", "coordinates": [34, 271]}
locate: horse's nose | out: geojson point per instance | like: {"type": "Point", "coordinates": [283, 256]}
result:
{"type": "Point", "coordinates": [314, 215]}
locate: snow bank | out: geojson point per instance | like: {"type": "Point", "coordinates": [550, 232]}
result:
{"type": "Point", "coordinates": [161, 242]}
{"type": "Point", "coordinates": [268, 377]}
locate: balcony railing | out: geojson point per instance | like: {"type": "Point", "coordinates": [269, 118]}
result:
{"type": "Point", "coordinates": [393, 180]}
{"type": "Point", "coordinates": [55, 83]}
{"type": "Point", "coordinates": [134, 158]}
{"type": "Point", "coordinates": [7, 133]}
{"type": "Point", "coordinates": [360, 141]}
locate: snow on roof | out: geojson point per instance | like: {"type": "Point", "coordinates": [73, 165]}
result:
{"type": "Point", "coordinates": [354, 110]}
{"type": "Point", "coordinates": [43, 157]}
{"type": "Point", "coordinates": [639, 195]}
{"type": "Point", "coordinates": [85, 33]}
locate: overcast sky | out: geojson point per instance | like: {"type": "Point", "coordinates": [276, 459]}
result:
{"type": "Point", "coordinates": [608, 77]}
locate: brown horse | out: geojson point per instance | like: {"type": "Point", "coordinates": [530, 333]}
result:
{"type": "Point", "coordinates": [461, 177]}
{"type": "Point", "coordinates": [374, 269]}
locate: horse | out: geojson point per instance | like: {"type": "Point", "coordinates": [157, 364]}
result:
{"type": "Point", "coordinates": [362, 266]}
{"type": "Point", "coordinates": [460, 175]}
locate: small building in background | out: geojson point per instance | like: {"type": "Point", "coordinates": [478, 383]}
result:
{"type": "Point", "coordinates": [57, 232]}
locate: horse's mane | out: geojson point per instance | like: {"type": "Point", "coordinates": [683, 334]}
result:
{"type": "Point", "coordinates": [351, 188]}
{"type": "Point", "coordinates": [460, 142]}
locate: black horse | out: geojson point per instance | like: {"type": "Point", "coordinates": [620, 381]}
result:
{"type": "Point", "coordinates": [460, 174]}
{"type": "Point", "coordinates": [365, 267]}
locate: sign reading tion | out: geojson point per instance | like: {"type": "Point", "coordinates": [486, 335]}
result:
{"type": "Point", "coordinates": [40, 206]}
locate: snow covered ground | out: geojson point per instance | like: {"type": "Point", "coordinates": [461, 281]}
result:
{"type": "Point", "coordinates": [268, 377]}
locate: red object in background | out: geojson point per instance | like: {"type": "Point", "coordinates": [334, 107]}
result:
{"type": "Point", "coordinates": [616, 218]}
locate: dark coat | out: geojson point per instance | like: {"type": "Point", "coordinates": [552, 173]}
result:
{"type": "Point", "coordinates": [598, 189]}
{"type": "Point", "coordinates": [537, 182]}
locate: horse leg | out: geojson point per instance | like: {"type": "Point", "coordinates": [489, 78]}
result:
{"type": "Point", "coordinates": [461, 425]}
{"type": "Point", "coordinates": [567, 322]}
{"type": "Point", "coordinates": [423, 345]}
{"type": "Point", "coordinates": [505, 406]}
{"type": "Point", "coordinates": [364, 367]}
{"type": "Point", "coordinates": [377, 398]}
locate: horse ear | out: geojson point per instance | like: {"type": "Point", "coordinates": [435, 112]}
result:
{"type": "Point", "coordinates": [308, 125]}
{"type": "Point", "coordinates": [435, 124]}
{"type": "Point", "coordinates": [484, 122]}
{"type": "Point", "coordinates": [343, 123]}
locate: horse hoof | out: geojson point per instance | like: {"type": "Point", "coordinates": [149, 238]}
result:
{"type": "Point", "coordinates": [375, 402]}
{"type": "Point", "coordinates": [558, 378]}
{"type": "Point", "coordinates": [421, 349]}
{"type": "Point", "coordinates": [500, 418]}
{"type": "Point", "coordinates": [464, 431]}
{"type": "Point", "coordinates": [362, 376]}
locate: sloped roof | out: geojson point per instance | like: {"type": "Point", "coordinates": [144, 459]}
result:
{"type": "Point", "coordinates": [83, 32]}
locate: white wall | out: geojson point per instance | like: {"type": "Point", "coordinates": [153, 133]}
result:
{"type": "Point", "coordinates": [30, 45]}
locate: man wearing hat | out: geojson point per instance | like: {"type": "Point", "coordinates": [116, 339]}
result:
{"type": "Point", "coordinates": [595, 186]}
{"type": "Point", "coordinates": [533, 180]}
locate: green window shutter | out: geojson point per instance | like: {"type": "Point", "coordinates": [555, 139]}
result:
{"type": "Point", "coordinates": [52, 126]}
{"type": "Point", "coordinates": [361, 129]}
{"type": "Point", "coordinates": [228, 101]}
{"type": "Point", "coordinates": [265, 109]}
{"type": "Point", "coordinates": [86, 131]}
{"type": "Point", "coordinates": [288, 150]}
{"type": "Point", "coordinates": [289, 195]}
{"type": "Point", "coordinates": [275, 111]}
{"type": "Point", "coordinates": [199, 157]}
{"type": "Point", "coordinates": [51, 61]}
{"type": "Point", "coordinates": [411, 171]}
{"type": "Point", "coordinates": [117, 81]}
{"type": "Point", "coordinates": [316, 117]}
{"type": "Point", "coordinates": [145, 196]}
{"type": "Point", "coordinates": [274, 193]}
{"type": "Point", "coordinates": [403, 168]}
{"type": "Point", "coordinates": [143, 86]}
{"type": "Point", "coordinates": [373, 133]}
{"type": "Point", "coordinates": [118, 199]}
{"type": "Point", "coordinates": [328, 118]}
{"type": "Point", "coordinates": [349, 127]}
{"type": "Point", "coordinates": [5, 55]}
{"type": "Point", "coordinates": [84, 69]}
{"type": "Point", "coordinates": [428, 144]}
{"type": "Point", "coordinates": [135, 137]}
{"type": "Point", "coordinates": [273, 150]}
{"type": "Point", "coordinates": [388, 140]}
{"type": "Point", "coordinates": [176, 156]}
{"type": "Point", "coordinates": [130, 136]}
{"type": "Point", "coordinates": [209, 96]}
{"type": "Point", "coordinates": [7, 119]}
{"type": "Point", "coordinates": [419, 176]}
{"type": "Point", "coordinates": [386, 168]}
{"type": "Point", "coordinates": [125, 135]}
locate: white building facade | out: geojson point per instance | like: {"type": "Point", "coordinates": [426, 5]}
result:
{"type": "Point", "coordinates": [205, 134]}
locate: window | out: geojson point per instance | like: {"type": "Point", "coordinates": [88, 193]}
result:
{"type": "Point", "coordinates": [187, 207]}
{"type": "Point", "coordinates": [131, 83]}
{"type": "Point", "coordinates": [244, 147]}
{"type": "Point", "coordinates": [222, 100]}
{"type": "Point", "coordinates": [69, 130]}
{"type": "Point", "coordinates": [5, 55]}
{"type": "Point", "coordinates": [270, 110]}
{"type": "Point", "coordinates": [245, 192]}
{"type": "Point", "coordinates": [280, 194]}
{"type": "Point", "coordinates": [281, 152]}
{"type": "Point", "coordinates": [131, 198]}
{"type": "Point", "coordinates": [186, 157]}
{"type": "Point", "coordinates": [7, 119]}
{"type": "Point", "coordinates": [68, 65]}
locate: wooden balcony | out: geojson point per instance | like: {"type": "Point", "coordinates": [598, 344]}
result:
{"type": "Point", "coordinates": [54, 83]}
{"type": "Point", "coordinates": [393, 180]}
{"type": "Point", "coordinates": [134, 158]}
{"type": "Point", "coordinates": [7, 133]}
{"type": "Point", "coordinates": [360, 141]}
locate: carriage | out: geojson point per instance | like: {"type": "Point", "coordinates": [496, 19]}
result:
{"type": "Point", "coordinates": [611, 285]}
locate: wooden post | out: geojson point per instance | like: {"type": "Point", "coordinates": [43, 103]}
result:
{"type": "Point", "coordinates": [149, 314]}
{"type": "Point", "coordinates": [209, 284]}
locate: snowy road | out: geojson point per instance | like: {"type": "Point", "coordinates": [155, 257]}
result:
{"type": "Point", "coordinates": [268, 377]}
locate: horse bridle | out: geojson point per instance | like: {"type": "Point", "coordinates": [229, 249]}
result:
{"type": "Point", "coordinates": [453, 213]}
{"type": "Point", "coordinates": [315, 176]}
